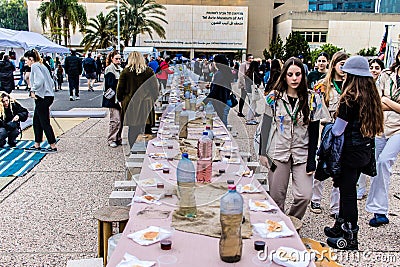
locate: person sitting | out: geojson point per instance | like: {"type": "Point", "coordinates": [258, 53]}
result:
{"type": "Point", "coordinates": [11, 114]}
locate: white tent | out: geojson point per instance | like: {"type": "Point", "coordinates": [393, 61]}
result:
{"type": "Point", "coordinates": [28, 40]}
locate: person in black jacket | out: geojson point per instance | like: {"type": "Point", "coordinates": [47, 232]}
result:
{"type": "Point", "coordinates": [11, 114]}
{"type": "Point", "coordinates": [111, 76]}
{"type": "Point", "coordinates": [359, 118]}
{"type": "Point", "coordinates": [73, 68]}
{"type": "Point", "coordinates": [99, 68]}
{"type": "Point", "coordinates": [252, 77]}
{"type": "Point", "coordinates": [6, 75]}
{"type": "Point", "coordinates": [220, 88]}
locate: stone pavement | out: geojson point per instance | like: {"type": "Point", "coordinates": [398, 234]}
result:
{"type": "Point", "coordinates": [47, 215]}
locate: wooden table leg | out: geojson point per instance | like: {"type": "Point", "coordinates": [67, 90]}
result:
{"type": "Point", "coordinates": [122, 225]}
{"type": "Point", "coordinates": [100, 239]}
{"type": "Point", "coordinates": [107, 231]}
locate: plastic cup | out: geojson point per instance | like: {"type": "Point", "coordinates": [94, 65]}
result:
{"type": "Point", "coordinates": [167, 260]}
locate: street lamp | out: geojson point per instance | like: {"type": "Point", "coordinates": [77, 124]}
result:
{"type": "Point", "coordinates": [118, 29]}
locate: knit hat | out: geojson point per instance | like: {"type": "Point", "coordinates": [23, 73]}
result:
{"type": "Point", "coordinates": [358, 66]}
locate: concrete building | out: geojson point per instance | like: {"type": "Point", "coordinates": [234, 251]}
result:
{"type": "Point", "coordinates": [202, 25]}
{"type": "Point", "coordinates": [351, 31]}
{"type": "Point", "coordinates": [342, 5]}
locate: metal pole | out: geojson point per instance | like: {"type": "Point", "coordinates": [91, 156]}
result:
{"type": "Point", "coordinates": [118, 30]}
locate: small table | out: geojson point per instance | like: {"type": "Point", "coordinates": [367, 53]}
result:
{"type": "Point", "coordinates": [106, 216]}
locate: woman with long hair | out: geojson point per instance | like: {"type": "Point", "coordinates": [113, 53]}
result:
{"type": "Point", "coordinates": [220, 87]}
{"type": "Point", "coordinates": [387, 145]}
{"type": "Point", "coordinates": [111, 76]}
{"type": "Point", "coordinates": [275, 71]}
{"type": "Point", "coordinates": [375, 67]}
{"type": "Point", "coordinates": [359, 118]}
{"type": "Point", "coordinates": [42, 92]}
{"type": "Point", "coordinates": [252, 77]}
{"type": "Point", "coordinates": [293, 109]}
{"type": "Point", "coordinates": [331, 88]}
{"type": "Point", "coordinates": [137, 91]}
{"type": "Point", "coordinates": [320, 72]}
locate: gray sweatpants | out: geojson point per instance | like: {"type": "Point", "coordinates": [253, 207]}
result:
{"type": "Point", "coordinates": [301, 186]}
{"type": "Point", "coordinates": [386, 151]}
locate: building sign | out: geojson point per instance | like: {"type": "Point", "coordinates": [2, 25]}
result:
{"type": "Point", "coordinates": [212, 27]}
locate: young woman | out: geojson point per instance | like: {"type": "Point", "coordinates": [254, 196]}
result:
{"type": "Point", "coordinates": [314, 76]}
{"type": "Point", "coordinates": [11, 114]}
{"type": "Point", "coordinates": [220, 88]}
{"type": "Point", "coordinates": [137, 91]}
{"type": "Point", "coordinates": [293, 109]}
{"type": "Point", "coordinates": [111, 76]}
{"type": "Point", "coordinates": [42, 92]}
{"type": "Point", "coordinates": [252, 76]}
{"type": "Point", "coordinates": [331, 88]}
{"type": "Point", "coordinates": [274, 75]}
{"type": "Point", "coordinates": [375, 67]}
{"type": "Point", "coordinates": [387, 145]}
{"type": "Point", "coordinates": [359, 118]}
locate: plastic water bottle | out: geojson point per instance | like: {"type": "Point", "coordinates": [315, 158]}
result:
{"type": "Point", "coordinates": [210, 132]}
{"type": "Point", "coordinates": [186, 186]}
{"type": "Point", "coordinates": [193, 102]}
{"type": "Point", "coordinates": [204, 163]}
{"type": "Point", "coordinates": [231, 216]}
{"type": "Point", "coordinates": [178, 110]}
{"type": "Point", "coordinates": [183, 122]}
{"type": "Point", "coordinates": [209, 115]}
{"type": "Point", "coordinates": [187, 99]}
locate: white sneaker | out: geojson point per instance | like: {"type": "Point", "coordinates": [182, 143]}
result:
{"type": "Point", "coordinates": [77, 98]}
{"type": "Point", "coordinates": [71, 98]}
{"type": "Point", "coordinates": [113, 144]}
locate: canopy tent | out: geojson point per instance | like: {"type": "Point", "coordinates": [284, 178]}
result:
{"type": "Point", "coordinates": [28, 40]}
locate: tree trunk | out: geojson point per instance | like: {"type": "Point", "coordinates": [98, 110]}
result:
{"type": "Point", "coordinates": [134, 36]}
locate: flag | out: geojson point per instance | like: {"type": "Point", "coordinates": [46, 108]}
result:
{"type": "Point", "coordinates": [382, 48]}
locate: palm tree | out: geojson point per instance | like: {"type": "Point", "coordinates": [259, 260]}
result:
{"type": "Point", "coordinates": [139, 17]}
{"type": "Point", "coordinates": [98, 33]}
{"type": "Point", "coordinates": [62, 16]}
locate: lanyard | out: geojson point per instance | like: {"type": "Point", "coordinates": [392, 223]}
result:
{"type": "Point", "coordinates": [394, 98]}
{"type": "Point", "coordinates": [292, 116]}
{"type": "Point", "coordinates": [338, 90]}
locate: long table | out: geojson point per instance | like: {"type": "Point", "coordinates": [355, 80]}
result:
{"type": "Point", "coordinates": [196, 250]}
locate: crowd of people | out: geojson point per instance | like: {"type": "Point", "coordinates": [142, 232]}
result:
{"type": "Point", "coordinates": [356, 103]}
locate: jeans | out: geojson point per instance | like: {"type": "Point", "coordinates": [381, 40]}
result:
{"type": "Point", "coordinates": [351, 163]}
{"type": "Point", "coordinates": [386, 151]}
{"type": "Point", "coordinates": [73, 83]}
{"type": "Point", "coordinates": [21, 79]}
{"type": "Point", "coordinates": [318, 187]}
{"type": "Point", "coordinates": [41, 120]}
{"type": "Point", "coordinates": [225, 116]}
{"type": "Point", "coordinates": [11, 135]}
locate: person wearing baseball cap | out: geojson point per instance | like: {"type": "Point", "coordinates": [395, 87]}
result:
{"type": "Point", "coordinates": [359, 118]}
{"type": "Point", "coordinates": [387, 145]}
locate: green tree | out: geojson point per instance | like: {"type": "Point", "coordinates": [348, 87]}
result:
{"type": "Point", "coordinates": [296, 45]}
{"type": "Point", "coordinates": [14, 15]}
{"type": "Point", "coordinates": [370, 51]}
{"type": "Point", "coordinates": [62, 16]}
{"type": "Point", "coordinates": [138, 17]}
{"type": "Point", "coordinates": [98, 33]}
{"type": "Point", "coordinates": [330, 49]}
{"type": "Point", "coordinates": [276, 49]}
